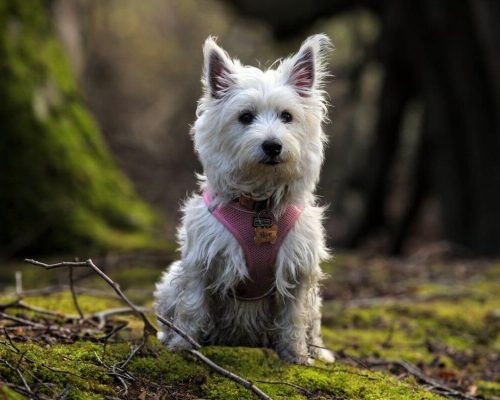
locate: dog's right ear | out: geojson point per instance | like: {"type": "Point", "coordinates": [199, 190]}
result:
{"type": "Point", "coordinates": [307, 70]}
{"type": "Point", "coordinates": [218, 69]}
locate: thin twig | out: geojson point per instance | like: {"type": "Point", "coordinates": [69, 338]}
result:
{"type": "Point", "coordinates": [20, 320]}
{"type": "Point", "coordinates": [101, 316]}
{"type": "Point", "coordinates": [228, 374]}
{"type": "Point", "coordinates": [73, 293]}
{"type": "Point", "coordinates": [11, 342]}
{"type": "Point", "coordinates": [19, 284]}
{"type": "Point", "coordinates": [135, 350]}
{"type": "Point", "coordinates": [115, 330]}
{"type": "Point", "coordinates": [149, 327]}
{"type": "Point", "coordinates": [62, 288]}
{"type": "Point", "coordinates": [302, 389]}
{"type": "Point", "coordinates": [415, 371]}
{"type": "Point", "coordinates": [18, 303]}
{"type": "Point", "coordinates": [20, 374]}
{"type": "Point", "coordinates": [179, 331]}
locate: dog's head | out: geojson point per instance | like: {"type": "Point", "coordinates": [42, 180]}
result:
{"type": "Point", "coordinates": [260, 131]}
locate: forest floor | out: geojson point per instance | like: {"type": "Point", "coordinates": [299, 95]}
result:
{"type": "Point", "coordinates": [425, 327]}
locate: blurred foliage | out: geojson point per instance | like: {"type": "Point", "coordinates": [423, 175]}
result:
{"type": "Point", "coordinates": [61, 191]}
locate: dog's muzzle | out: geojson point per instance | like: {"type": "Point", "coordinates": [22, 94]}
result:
{"type": "Point", "coordinates": [272, 149]}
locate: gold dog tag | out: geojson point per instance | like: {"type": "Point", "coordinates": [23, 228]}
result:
{"type": "Point", "coordinates": [266, 234]}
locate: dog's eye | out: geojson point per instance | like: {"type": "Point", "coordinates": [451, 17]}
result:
{"type": "Point", "coordinates": [286, 117]}
{"type": "Point", "coordinates": [246, 118]}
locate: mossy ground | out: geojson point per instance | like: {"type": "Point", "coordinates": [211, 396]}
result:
{"type": "Point", "coordinates": [442, 317]}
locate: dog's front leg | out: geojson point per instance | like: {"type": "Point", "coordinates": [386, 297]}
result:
{"type": "Point", "coordinates": [190, 317]}
{"type": "Point", "coordinates": [291, 328]}
{"type": "Point", "coordinates": [317, 348]}
{"type": "Point", "coordinates": [181, 299]}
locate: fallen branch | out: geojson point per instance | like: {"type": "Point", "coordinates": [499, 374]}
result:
{"type": "Point", "coordinates": [21, 321]}
{"type": "Point", "coordinates": [228, 374]}
{"type": "Point", "coordinates": [73, 293]}
{"type": "Point", "coordinates": [102, 316]}
{"type": "Point", "coordinates": [149, 328]}
{"type": "Point", "coordinates": [416, 372]}
{"type": "Point", "coordinates": [302, 389]}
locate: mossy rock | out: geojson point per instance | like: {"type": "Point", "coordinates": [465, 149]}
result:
{"type": "Point", "coordinates": [61, 188]}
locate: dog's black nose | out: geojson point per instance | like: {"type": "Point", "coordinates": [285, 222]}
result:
{"type": "Point", "coordinates": [272, 148]}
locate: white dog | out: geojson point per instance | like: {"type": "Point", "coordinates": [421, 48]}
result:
{"type": "Point", "coordinates": [253, 240]}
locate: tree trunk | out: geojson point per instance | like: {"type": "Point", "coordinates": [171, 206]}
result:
{"type": "Point", "coordinates": [460, 98]}
{"type": "Point", "coordinates": [59, 187]}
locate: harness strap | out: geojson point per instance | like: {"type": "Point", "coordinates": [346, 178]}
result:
{"type": "Point", "coordinates": [260, 258]}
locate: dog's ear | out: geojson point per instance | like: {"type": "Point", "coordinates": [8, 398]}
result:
{"type": "Point", "coordinates": [218, 69]}
{"type": "Point", "coordinates": [306, 70]}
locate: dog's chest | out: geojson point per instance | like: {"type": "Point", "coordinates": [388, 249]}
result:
{"type": "Point", "coordinates": [260, 236]}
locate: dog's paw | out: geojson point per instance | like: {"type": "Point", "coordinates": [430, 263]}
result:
{"type": "Point", "coordinates": [325, 355]}
{"type": "Point", "coordinates": [293, 358]}
{"type": "Point", "coordinates": [302, 360]}
{"type": "Point", "coordinates": [162, 337]}
{"type": "Point", "coordinates": [176, 343]}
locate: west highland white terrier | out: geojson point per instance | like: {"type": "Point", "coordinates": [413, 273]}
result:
{"type": "Point", "coordinates": [252, 240]}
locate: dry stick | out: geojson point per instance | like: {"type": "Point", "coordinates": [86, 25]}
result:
{"type": "Point", "coordinates": [19, 284]}
{"type": "Point", "coordinates": [101, 316]}
{"type": "Point", "coordinates": [18, 303]}
{"type": "Point", "coordinates": [22, 304]}
{"type": "Point", "coordinates": [415, 371]}
{"type": "Point", "coordinates": [179, 331]}
{"type": "Point", "coordinates": [21, 389]}
{"type": "Point", "coordinates": [73, 293]}
{"type": "Point", "coordinates": [16, 350]}
{"type": "Point", "coordinates": [20, 320]}
{"type": "Point", "coordinates": [148, 326]}
{"type": "Point", "coordinates": [302, 389]}
{"type": "Point", "coordinates": [11, 342]}
{"type": "Point", "coordinates": [228, 374]}
{"type": "Point", "coordinates": [112, 371]}
{"type": "Point", "coordinates": [20, 374]}
{"type": "Point", "coordinates": [62, 288]}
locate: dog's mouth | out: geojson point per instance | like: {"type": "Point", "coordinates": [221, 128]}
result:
{"type": "Point", "coordinates": [272, 161]}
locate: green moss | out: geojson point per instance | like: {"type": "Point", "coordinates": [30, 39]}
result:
{"type": "Point", "coordinates": [488, 389]}
{"type": "Point", "coordinates": [74, 367]}
{"type": "Point", "coordinates": [337, 380]}
{"type": "Point", "coordinates": [8, 394]}
{"type": "Point", "coordinates": [64, 189]}
{"type": "Point", "coordinates": [63, 303]}
{"type": "Point", "coordinates": [78, 368]}
{"type": "Point", "coordinates": [432, 329]}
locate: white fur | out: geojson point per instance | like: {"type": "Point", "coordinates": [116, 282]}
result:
{"type": "Point", "coordinates": [196, 292]}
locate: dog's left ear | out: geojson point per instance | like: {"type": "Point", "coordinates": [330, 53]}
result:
{"type": "Point", "coordinates": [218, 69]}
{"type": "Point", "coordinates": [306, 70]}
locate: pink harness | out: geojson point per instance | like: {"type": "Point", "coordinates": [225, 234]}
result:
{"type": "Point", "coordinates": [260, 258]}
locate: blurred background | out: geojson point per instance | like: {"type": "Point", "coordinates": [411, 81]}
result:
{"type": "Point", "coordinates": [97, 98]}
{"type": "Point", "coordinates": [96, 102]}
